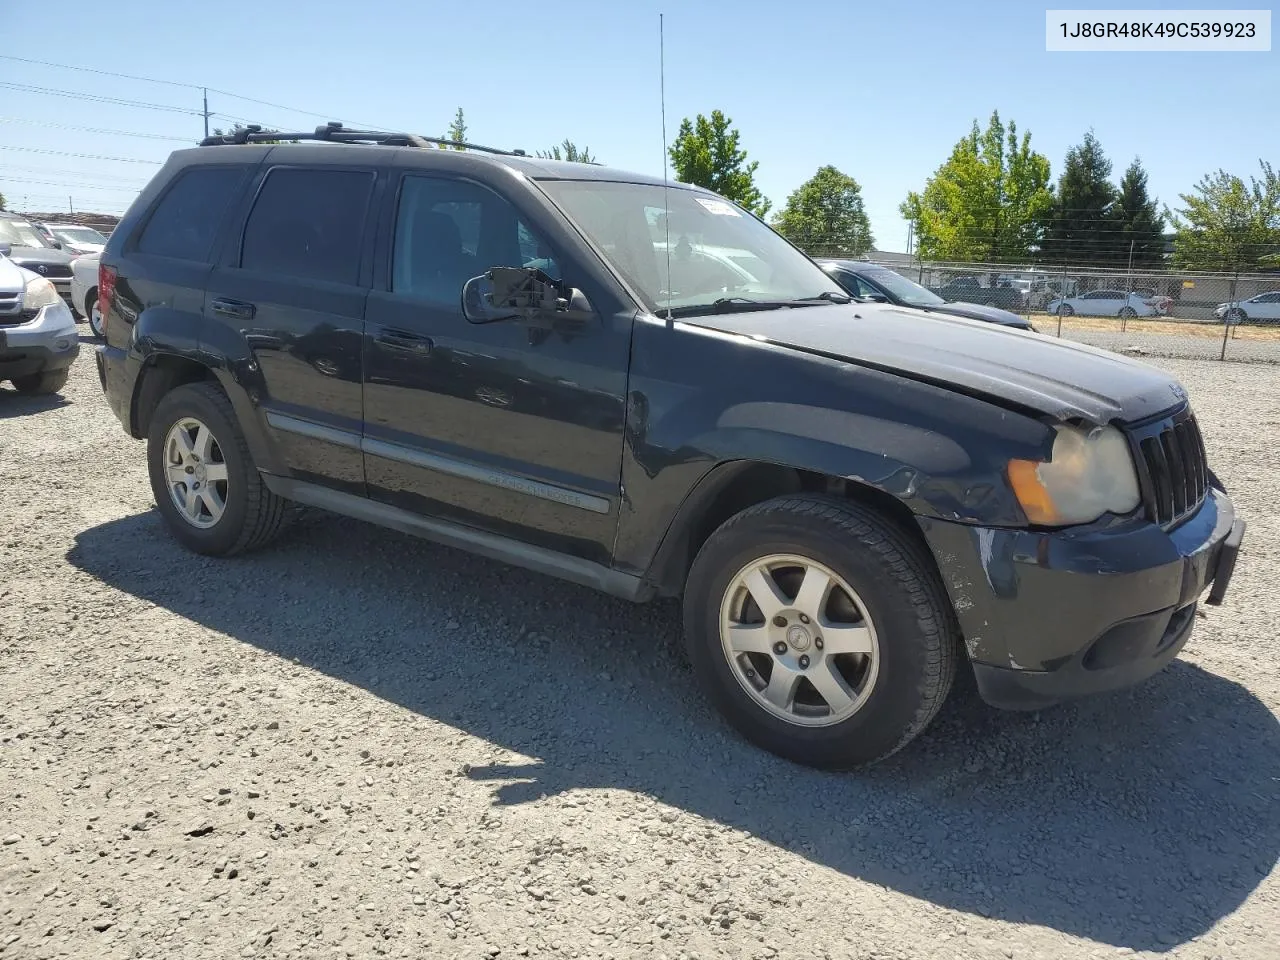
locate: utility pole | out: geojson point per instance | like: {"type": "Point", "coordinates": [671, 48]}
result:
{"type": "Point", "coordinates": [205, 91]}
{"type": "Point", "coordinates": [70, 206]}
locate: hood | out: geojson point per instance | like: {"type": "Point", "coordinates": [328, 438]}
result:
{"type": "Point", "coordinates": [12, 277]}
{"type": "Point", "coordinates": [977, 311]}
{"type": "Point", "coordinates": [25, 255]}
{"type": "Point", "coordinates": [1059, 378]}
{"type": "Point", "coordinates": [83, 249]}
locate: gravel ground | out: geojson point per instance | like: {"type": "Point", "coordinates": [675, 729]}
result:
{"type": "Point", "coordinates": [356, 744]}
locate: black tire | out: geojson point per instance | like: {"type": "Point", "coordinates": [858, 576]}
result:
{"type": "Point", "coordinates": [1128, 313]}
{"type": "Point", "coordinates": [891, 572]}
{"type": "Point", "coordinates": [1066, 310]}
{"type": "Point", "coordinates": [253, 515]}
{"type": "Point", "coordinates": [90, 303]}
{"type": "Point", "coordinates": [48, 381]}
{"type": "Point", "coordinates": [1236, 315]}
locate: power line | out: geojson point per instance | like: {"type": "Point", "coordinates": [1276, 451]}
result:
{"type": "Point", "coordinates": [96, 98]}
{"type": "Point", "coordinates": [84, 185]}
{"type": "Point", "coordinates": [69, 171]}
{"type": "Point", "coordinates": [187, 86]}
{"type": "Point", "coordinates": [82, 156]}
{"type": "Point", "coordinates": [101, 130]}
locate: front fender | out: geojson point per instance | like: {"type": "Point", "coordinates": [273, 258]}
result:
{"type": "Point", "coordinates": [709, 400]}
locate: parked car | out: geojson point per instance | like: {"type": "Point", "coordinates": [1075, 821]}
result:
{"type": "Point", "coordinates": [38, 339]}
{"type": "Point", "coordinates": [848, 497]}
{"type": "Point", "coordinates": [29, 250]}
{"type": "Point", "coordinates": [75, 238]}
{"type": "Point", "coordinates": [84, 292]}
{"type": "Point", "coordinates": [1264, 308]}
{"type": "Point", "coordinates": [1103, 303]}
{"type": "Point", "coordinates": [871, 281]}
{"type": "Point", "coordinates": [971, 290]}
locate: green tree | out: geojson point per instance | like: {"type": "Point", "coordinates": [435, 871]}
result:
{"type": "Point", "coordinates": [568, 150]}
{"type": "Point", "coordinates": [1081, 219]}
{"type": "Point", "coordinates": [3, 205]}
{"type": "Point", "coordinates": [457, 131]}
{"type": "Point", "coordinates": [825, 216]}
{"type": "Point", "coordinates": [1226, 224]}
{"type": "Point", "coordinates": [1136, 221]}
{"type": "Point", "coordinates": [707, 153]}
{"type": "Point", "coordinates": [989, 201]}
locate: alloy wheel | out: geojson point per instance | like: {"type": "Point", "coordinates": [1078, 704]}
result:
{"type": "Point", "coordinates": [799, 640]}
{"type": "Point", "coordinates": [195, 473]}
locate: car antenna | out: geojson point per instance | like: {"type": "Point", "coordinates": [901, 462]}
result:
{"type": "Point", "coordinates": [666, 185]}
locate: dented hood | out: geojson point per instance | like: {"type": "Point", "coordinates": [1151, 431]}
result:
{"type": "Point", "coordinates": [1051, 376]}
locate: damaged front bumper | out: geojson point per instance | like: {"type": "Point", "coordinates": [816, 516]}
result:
{"type": "Point", "coordinates": [1051, 615]}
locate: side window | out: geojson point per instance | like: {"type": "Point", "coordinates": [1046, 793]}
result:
{"type": "Point", "coordinates": [185, 222]}
{"type": "Point", "coordinates": [448, 231]}
{"type": "Point", "coordinates": [856, 285]}
{"type": "Point", "coordinates": [308, 224]}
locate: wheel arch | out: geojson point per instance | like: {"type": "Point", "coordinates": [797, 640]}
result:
{"type": "Point", "coordinates": [734, 486]}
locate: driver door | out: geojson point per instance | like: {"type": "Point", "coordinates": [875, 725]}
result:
{"type": "Point", "coordinates": [495, 426]}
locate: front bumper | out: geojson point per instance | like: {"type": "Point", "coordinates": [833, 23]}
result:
{"type": "Point", "coordinates": [49, 342]}
{"type": "Point", "coordinates": [1048, 616]}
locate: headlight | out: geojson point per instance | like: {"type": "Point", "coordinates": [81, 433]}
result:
{"type": "Point", "coordinates": [38, 293]}
{"type": "Point", "coordinates": [1089, 473]}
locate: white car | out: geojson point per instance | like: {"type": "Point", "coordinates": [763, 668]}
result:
{"type": "Point", "coordinates": [1263, 307]}
{"type": "Point", "coordinates": [76, 239]}
{"type": "Point", "coordinates": [1104, 303]}
{"type": "Point", "coordinates": [84, 291]}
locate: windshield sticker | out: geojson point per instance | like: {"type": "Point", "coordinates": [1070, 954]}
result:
{"type": "Point", "coordinates": [718, 207]}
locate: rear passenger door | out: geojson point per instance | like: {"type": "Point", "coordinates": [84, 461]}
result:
{"type": "Point", "coordinates": [291, 287]}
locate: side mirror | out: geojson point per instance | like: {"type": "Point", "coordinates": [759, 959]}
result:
{"type": "Point", "coordinates": [56, 244]}
{"type": "Point", "coordinates": [524, 295]}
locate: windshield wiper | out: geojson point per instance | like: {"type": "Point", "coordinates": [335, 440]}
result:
{"type": "Point", "coordinates": [829, 295]}
{"type": "Point", "coordinates": [726, 305]}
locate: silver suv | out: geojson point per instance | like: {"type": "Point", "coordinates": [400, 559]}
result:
{"type": "Point", "coordinates": [38, 339]}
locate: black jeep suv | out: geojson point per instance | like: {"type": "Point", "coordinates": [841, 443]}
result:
{"type": "Point", "coordinates": [639, 386]}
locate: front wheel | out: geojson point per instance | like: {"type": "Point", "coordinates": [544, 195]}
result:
{"type": "Point", "coordinates": [46, 382]}
{"type": "Point", "coordinates": [1236, 316]}
{"type": "Point", "coordinates": [205, 483]}
{"type": "Point", "coordinates": [1066, 310]}
{"type": "Point", "coordinates": [820, 630]}
{"type": "Point", "coordinates": [1128, 313]}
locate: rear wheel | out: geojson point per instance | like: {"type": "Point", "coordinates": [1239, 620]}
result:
{"type": "Point", "coordinates": [93, 313]}
{"type": "Point", "coordinates": [819, 630]}
{"type": "Point", "coordinates": [48, 381]}
{"type": "Point", "coordinates": [204, 480]}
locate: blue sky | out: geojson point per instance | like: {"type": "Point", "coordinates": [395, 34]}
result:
{"type": "Point", "coordinates": [881, 90]}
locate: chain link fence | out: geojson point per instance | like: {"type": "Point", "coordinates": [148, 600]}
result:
{"type": "Point", "coordinates": [1213, 316]}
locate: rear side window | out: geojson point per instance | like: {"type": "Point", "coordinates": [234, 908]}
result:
{"type": "Point", "coordinates": [185, 222]}
{"type": "Point", "coordinates": [309, 224]}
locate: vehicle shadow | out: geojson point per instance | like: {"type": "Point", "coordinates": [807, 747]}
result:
{"type": "Point", "coordinates": [1137, 820]}
{"type": "Point", "coordinates": [14, 404]}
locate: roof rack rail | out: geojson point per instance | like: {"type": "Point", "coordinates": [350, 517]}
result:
{"type": "Point", "coordinates": [335, 132]}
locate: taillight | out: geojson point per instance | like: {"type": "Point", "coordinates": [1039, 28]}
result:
{"type": "Point", "coordinates": [106, 287]}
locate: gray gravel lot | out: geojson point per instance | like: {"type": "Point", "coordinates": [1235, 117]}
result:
{"type": "Point", "coordinates": [356, 744]}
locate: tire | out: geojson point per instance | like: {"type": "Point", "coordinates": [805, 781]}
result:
{"type": "Point", "coordinates": [1127, 312]}
{"type": "Point", "coordinates": [250, 515]}
{"type": "Point", "coordinates": [907, 624]}
{"type": "Point", "coordinates": [1236, 315]}
{"type": "Point", "coordinates": [92, 313]}
{"type": "Point", "coordinates": [1066, 310]}
{"type": "Point", "coordinates": [47, 381]}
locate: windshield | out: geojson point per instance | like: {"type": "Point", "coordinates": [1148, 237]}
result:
{"type": "Point", "coordinates": [717, 251]}
{"type": "Point", "coordinates": [908, 291]}
{"type": "Point", "coordinates": [78, 235]}
{"type": "Point", "coordinates": [19, 233]}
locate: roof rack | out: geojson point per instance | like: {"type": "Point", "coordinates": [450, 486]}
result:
{"type": "Point", "coordinates": [335, 132]}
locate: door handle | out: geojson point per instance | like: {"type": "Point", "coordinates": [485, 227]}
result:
{"type": "Point", "coordinates": [401, 340]}
{"type": "Point", "coordinates": [236, 309]}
